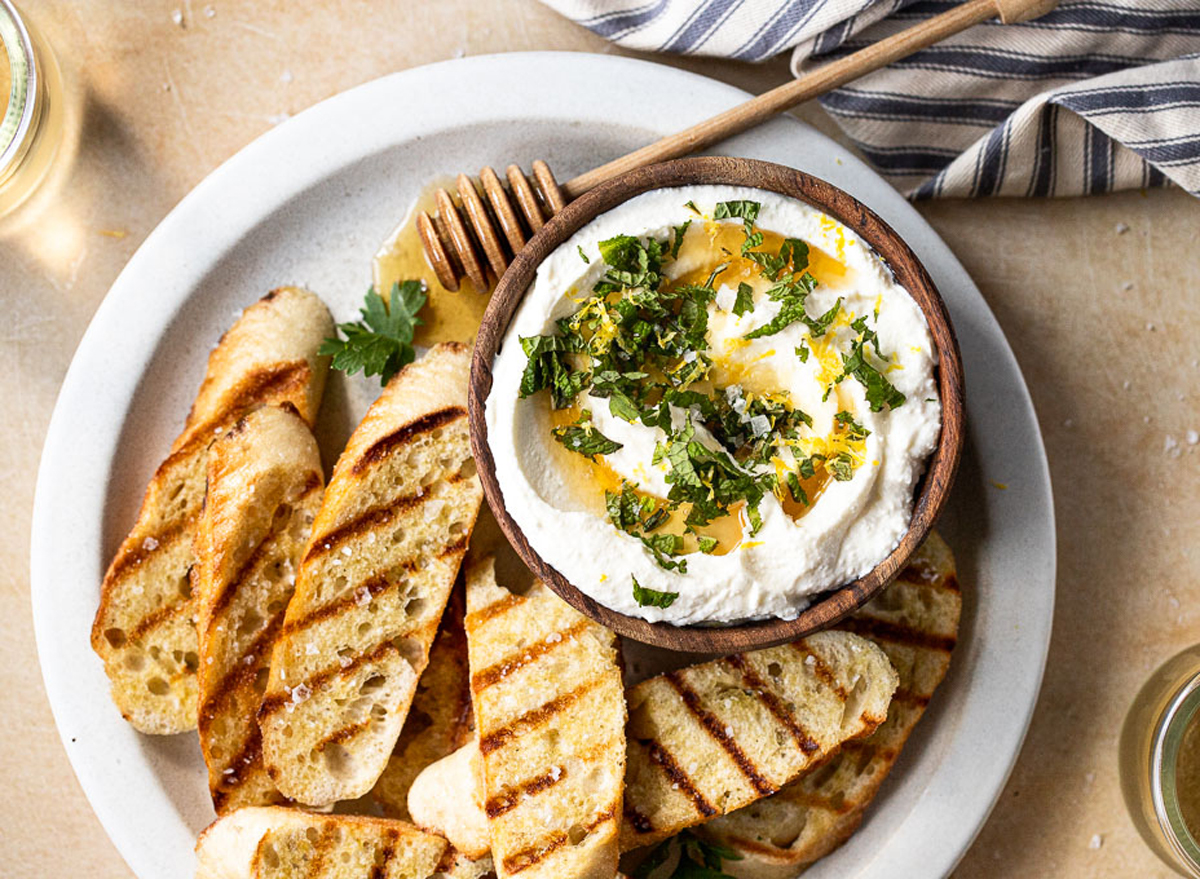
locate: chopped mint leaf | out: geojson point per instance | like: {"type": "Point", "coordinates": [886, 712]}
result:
{"type": "Point", "coordinates": [742, 210]}
{"type": "Point", "coordinates": [745, 299]}
{"type": "Point", "coordinates": [797, 490]}
{"type": "Point", "coordinates": [381, 343]}
{"type": "Point", "coordinates": [707, 544]}
{"type": "Point", "coordinates": [583, 256]}
{"type": "Point", "coordinates": [677, 242]}
{"type": "Point", "coordinates": [691, 206]}
{"type": "Point", "coordinates": [854, 430]}
{"type": "Point", "coordinates": [651, 597]}
{"type": "Point", "coordinates": [880, 391]}
{"type": "Point", "coordinates": [802, 352]}
{"type": "Point", "coordinates": [584, 438]}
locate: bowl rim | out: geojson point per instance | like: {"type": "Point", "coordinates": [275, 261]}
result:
{"type": "Point", "coordinates": [932, 489]}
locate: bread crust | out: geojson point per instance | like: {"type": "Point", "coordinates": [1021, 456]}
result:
{"type": "Point", "coordinates": [144, 629]}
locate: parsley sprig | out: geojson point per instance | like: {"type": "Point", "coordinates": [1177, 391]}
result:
{"type": "Point", "coordinates": [381, 343]}
{"type": "Point", "coordinates": [698, 859]}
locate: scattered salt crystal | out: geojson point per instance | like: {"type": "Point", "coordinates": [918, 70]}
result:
{"type": "Point", "coordinates": [299, 694]}
{"type": "Point", "coordinates": [150, 544]}
{"type": "Point", "coordinates": [725, 298]}
{"type": "Point", "coordinates": [759, 425]}
{"type": "Point", "coordinates": [1122, 228]}
{"type": "Point", "coordinates": [458, 53]}
{"type": "Point", "coordinates": [1192, 437]}
{"type": "Point", "coordinates": [209, 12]}
{"type": "Point", "coordinates": [1171, 446]}
{"type": "Point", "coordinates": [810, 660]}
{"type": "Point", "coordinates": [177, 17]}
{"type": "Point", "coordinates": [553, 638]}
{"type": "Point", "coordinates": [1096, 841]}
{"type": "Point", "coordinates": [729, 730]}
{"type": "Point", "coordinates": [311, 649]}
{"type": "Point", "coordinates": [1149, 327]}
{"type": "Point", "coordinates": [1127, 286]}
{"type": "Point", "coordinates": [362, 596]}
{"type": "Point", "coordinates": [345, 550]}
{"type": "Point", "coordinates": [1127, 384]}
{"type": "Point", "coordinates": [227, 772]}
{"type": "Point", "coordinates": [556, 773]}
{"type": "Point", "coordinates": [286, 77]}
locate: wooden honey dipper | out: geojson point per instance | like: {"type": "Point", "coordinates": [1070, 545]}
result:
{"type": "Point", "coordinates": [493, 229]}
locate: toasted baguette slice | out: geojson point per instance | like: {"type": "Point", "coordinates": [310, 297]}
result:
{"type": "Point", "coordinates": [915, 621]}
{"type": "Point", "coordinates": [550, 718]}
{"type": "Point", "coordinates": [456, 865]}
{"type": "Point", "coordinates": [274, 842]}
{"type": "Point", "coordinates": [264, 488]}
{"type": "Point", "coordinates": [385, 549]}
{"type": "Point", "coordinates": [726, 732]}
{"type": "Point", "coordinates": [144, 629]}
{"type": "Point", "coordinates": [440, 720]}
{"type": "Point", "coordinates": [714, 737]}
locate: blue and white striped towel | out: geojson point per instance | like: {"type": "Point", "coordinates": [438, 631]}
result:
{"type": "Point", "coordinates": [982, 112]}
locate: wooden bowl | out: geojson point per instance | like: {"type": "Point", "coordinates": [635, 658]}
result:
{"type": "Point", "coordinates": [931, 491]}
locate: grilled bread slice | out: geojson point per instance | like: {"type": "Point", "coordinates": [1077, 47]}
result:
{"type": "Point", "coordinates": [264, 488]}
{"type": "Point", "coordinates": [707, 739]}
{"type": "Point", "coordinates": [144, 629]}
{"type": "Point", "coordinates": [456, 865]}
{"type": "Point", "coordinates": [440, 720]}
{"type": "Point", "coordinates": [384, 553]}
{"type": "Point", "coordinates": [436, 801]}
{"type": "Point", "coordinates": [915, 621]}
{"type": "Point", "coordinates": [274, 842]}
{"type": "Point", "coordinates": [550, 718]}
{"type": "Point", "coordinates": [714, 737]}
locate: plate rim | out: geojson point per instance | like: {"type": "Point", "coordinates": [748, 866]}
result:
{"type": "Point", "coordinates": [277, 191]}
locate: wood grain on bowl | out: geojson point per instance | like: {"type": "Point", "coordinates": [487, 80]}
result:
{"type": "Point", "coordinates": [931, 492]}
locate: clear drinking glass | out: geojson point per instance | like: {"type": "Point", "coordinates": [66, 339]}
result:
{"type": "Point", "coordinates": [1160, 762]}
{"type": "Point", "coordinates": [34, 119]}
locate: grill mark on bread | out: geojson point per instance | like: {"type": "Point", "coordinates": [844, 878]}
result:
{"type": "Point", "coordinates": [133, 554]}
{"type": "Point", "coordinates": [370, 520]}
{"type": "Point", "coordinates": [495, 609]}
{"type": "Point", "coordinates": [528, 857]}
{"type": "Point", "coordinates": [485, 678]}
{"type": "Point", "coordinates": [910, 697]}
{"type": "Point", "coordinates": [379, 868]}
{"type": "Point", "coordinates": [772, 703]}
{"type": "Point", "coordinates": [660, 756]}
{"type": "Point", "coordinates": [374, 586]}
{"type": "Point", "coordinates": [717, 732]}
{"type": "Point", "coordinates": [241, 674]}
{"type": "Point", "coordinates": [427, 423]}
{"type": "Point", "coordinates": [882, 630]}
{"type": "Point", "coordinates": [511, 798]}
{"type": "Point", "coordinates": [534, 718]}
{"type": "Point", "coordinates": [157, 618]}
{"type": "Point", "coordinates": [272, 704]}
{"type": "Point", "coordinates": [919, 572]}
{"type": "Point", "coordinates": [639, 822]}
{"type": "Point", "coordinates": [345, 734]}
{"type": "Point", "coordinates": [249, 756]}
{"type": "Point", "coordinates": [256, 388]}
{"type": "Point", "coordinates": [222, 599]}
{"type": "Point", "coordinates": [820, 669]}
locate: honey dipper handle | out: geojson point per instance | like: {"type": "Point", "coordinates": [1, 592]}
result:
{"type": "Point", "coordinates": [824, 79]}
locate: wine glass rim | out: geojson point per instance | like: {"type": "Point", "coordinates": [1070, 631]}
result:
{"type": "Point", "coordinates": [21, 101]}
{"type": "Point", "coordinates": [1183, 706]}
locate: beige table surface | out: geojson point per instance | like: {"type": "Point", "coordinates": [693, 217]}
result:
{"type": "Point", "coordinates": [1113, 372]}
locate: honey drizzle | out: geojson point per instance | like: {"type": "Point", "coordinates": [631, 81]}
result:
{"type": "Point", "coordinates": [448, 316]}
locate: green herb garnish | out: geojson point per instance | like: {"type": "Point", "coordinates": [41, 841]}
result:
{"type": "Point", "coordinates": [880, 391]}
{"type": "Point", "coordinates": [584, 438]}
{"type": "Point", "coordinates": [583, 256]}
{"type": "Point", "coordinates": [381, 343]}
{"type": "Point", "coordinates": [745, 299]}
{"type": "Point", "coordinates": [698, 859]}
{"type": "Point", "coordinates": [651, 598]}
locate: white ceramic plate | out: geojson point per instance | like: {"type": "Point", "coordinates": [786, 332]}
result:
{"type": "Point", "coordinates": [308, 203]}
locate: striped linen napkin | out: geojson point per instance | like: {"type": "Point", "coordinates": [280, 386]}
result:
{"type": "Point", "coordinates": [1096, 96]}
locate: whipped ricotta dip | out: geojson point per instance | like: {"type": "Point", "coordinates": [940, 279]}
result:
{"type": "Point", "coordinates": [713, 403]}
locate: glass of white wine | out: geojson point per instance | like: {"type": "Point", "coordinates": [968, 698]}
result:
{"type": "Point", "coordinates": [1160, 762]}
{"type": "Point", "coordinates": [34, 109]}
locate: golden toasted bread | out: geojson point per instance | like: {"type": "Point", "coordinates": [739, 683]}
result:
{"type": "Point", "coordinates": [446, 798]}
{"type": "Point", "coordinates": [264, 488]}
{"type": "Point", "coordinates": [915, 621]}
{"type": "Point", "coordinates": [144, 629]}
{"type": "Point", "coordinates": [456, 865]}
{"type": "Point", "coordinates": [550, 718]}
{"type": "Point", "coordinates": [385, 549]}
{"type": "Point", "coordinates": [440, 720]}
{"type": "Point", "coordinates": [275, 842]}
{"type": "Point", "coordinates": [714, 737]}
